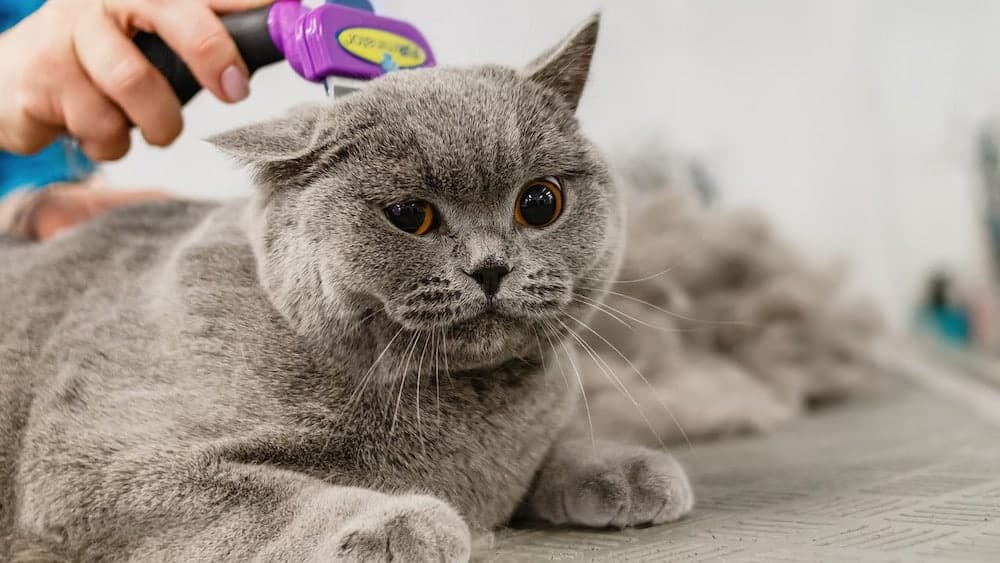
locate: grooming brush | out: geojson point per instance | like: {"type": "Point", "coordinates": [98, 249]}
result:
{"type": "Point", "coordinates": [340, 44]}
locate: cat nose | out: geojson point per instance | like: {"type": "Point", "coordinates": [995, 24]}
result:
{"type": "Point", "coordinates": [489, 277]}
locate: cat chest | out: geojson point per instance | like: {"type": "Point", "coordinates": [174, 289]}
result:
{"type": "Point", "coordinates": [481, 461]}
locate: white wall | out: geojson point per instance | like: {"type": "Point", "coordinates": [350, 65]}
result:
{"type": "Point", "coordinates": [850, 122]}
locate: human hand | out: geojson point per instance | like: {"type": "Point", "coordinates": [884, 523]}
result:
{"type": "Point", "coordinates": [71, 67]}
{"type": "Point", "coordinates": [42, 214]}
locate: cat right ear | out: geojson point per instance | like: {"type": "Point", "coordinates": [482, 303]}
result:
{"type": "Point", "coordinates": [284, 139]}
{"type": "Point", "coordinates": [565, 67]}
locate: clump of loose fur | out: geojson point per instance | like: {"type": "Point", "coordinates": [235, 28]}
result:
{"type": "Point", "coordinates": [730, 329]}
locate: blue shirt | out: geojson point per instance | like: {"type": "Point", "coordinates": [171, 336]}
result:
{"type": "Point", "coordinates": [62, 161]}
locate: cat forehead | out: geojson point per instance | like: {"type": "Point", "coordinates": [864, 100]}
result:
{"type": "Point", "coordinates": [460, 104]}
{"type": "Point", "coordinates": [449, 127]}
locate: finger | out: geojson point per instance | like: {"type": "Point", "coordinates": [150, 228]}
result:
{"type": "Point", "coordinates": [24, 135]}
{"type": "Point", "coordinates": [120, 71]}
{"type": "Point", "coordinates": [227, 6]}
{"type": "Point", "coordinates": [34, 121]}
{"type": "Point", "coordinates": [106, 150]}
{"type": "Point", "coordinates": [100, 126]}
{"type": "Point", "coordinates": [196, 34]}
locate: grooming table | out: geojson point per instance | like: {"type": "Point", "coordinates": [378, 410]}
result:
{"type": "Point", "coordinates": [909, 474]}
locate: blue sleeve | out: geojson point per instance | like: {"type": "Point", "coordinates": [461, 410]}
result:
{"type": "Point", "coordinates": [61, 161]}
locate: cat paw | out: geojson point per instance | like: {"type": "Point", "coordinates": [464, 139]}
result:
{"type": "Point", "coordinates": [626, 486]}
{"type": "Point", "coordinates": [404, 528]}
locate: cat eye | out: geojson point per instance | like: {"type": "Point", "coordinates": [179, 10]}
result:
{"type": "Point", "coordinates": [540, 203]}
{"type": "Point", "coordinates": [416, 217]}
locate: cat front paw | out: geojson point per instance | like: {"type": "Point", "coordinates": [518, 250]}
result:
{"type": "Point", "coordinates": [620, 487]}
{"type": "Point", "coordinates": [404, 528]}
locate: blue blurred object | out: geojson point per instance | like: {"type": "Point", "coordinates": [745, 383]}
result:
{"type": "Point", "coordinates": [61, 161]}
{"type": "Point", "coordinates": [951, 325]}
{"type": "Point", "coordinates": [945, 316]}
{"type": "Point", "coordinates": [13, 11]}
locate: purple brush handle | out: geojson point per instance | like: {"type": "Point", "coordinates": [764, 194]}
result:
{"type": "Point", "coordinates": [331, 40]}
{"type": "Point", "coordinates": [311, 40]}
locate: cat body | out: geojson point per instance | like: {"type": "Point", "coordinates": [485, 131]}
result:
{"type": "Point", "coordinates": [199, 369]}
{"type": "Point", "coordinates": [293, 377]}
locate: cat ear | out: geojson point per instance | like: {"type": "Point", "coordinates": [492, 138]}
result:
{"type": "Point", "coordinates": [277, 140]}
{"type": "Point", "coordinates": [564, 67]}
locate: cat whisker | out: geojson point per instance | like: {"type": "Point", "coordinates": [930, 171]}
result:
{"type": "Point", "coordinates": [619, 384]}
{"type": "Point", "coordinates": [598, 305]}
{"type": "Point", "coordinates": [665, 311]}
{"type": "Point", "coordinates": [398, 368]}
{"type": "Point", "coordinates": [649, 385]}
{"type": "Point", "coordinates": [444, 348]}
{"type": "Point", "coordinates": [437, 372]}
{"type": "Point", "coordinates": [363, 383]}
{"type": "Point", "coordinates": [608, 310]}
{"type": "Point", "coordinates": [555, 354]}
{"type": "Point", "coordinates": [420, 366]}
{"type": "Point", "coordinates": [637, 280]}
{"type": "Point", "coordinates": [402, 380]}
{"type": "Point", "coordinates": [541, 352]}
{"type": "Point", "coordinates": [583, 391]}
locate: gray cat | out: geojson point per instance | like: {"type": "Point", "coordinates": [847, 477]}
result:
{"type": "Point", "coordinates": [349, 366]}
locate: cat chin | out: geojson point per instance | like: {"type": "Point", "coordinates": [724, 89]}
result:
{"type": "Point", "coordinates": [490, 338]}
{"type": "Point", "coordinates": [485, 336]}
{"type": "Point", "coordinates": [475, 317]}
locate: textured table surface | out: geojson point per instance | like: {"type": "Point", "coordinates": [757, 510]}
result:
{"type": "Point", "coordinates": [910, 475]}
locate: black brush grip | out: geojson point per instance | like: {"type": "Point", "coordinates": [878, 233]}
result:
{"type": "Point", "coordinates": [249, 31]}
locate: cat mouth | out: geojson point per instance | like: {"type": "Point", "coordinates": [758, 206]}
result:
{"type": "Point", "coordinates": [485, 316]}
{"type": "Point", "coordinates": [502, 314]}
{"type": "Point", "coordinates": [495, 317]}
{"type": "Point", "coordinates": [486, 335]}
{"type": "Point", "coordinates": [488, 323]}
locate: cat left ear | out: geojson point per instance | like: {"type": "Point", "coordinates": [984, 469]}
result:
{"type": "Point", "coordinates": [564, 68]}
{"type": "Point", "coordinates": [285, 138]}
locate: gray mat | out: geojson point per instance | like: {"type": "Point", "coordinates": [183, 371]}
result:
{"type": "Point", "coordinates": [910, 475]}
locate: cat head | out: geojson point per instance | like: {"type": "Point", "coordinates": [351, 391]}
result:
{"type": "Point", "coordinates": [458, 206]}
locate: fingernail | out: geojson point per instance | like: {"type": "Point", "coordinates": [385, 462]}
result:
{"type": "Point", "coordinates": [235, 84]}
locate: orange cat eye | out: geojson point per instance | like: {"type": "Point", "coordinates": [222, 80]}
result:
{"type": "Point", "coordinates": [540, 203]}
{"type": "Point", "coordinates": [416, 217]}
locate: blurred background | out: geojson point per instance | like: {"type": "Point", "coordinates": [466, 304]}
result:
{"type": "Point", "coordinates": [862, 130]}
